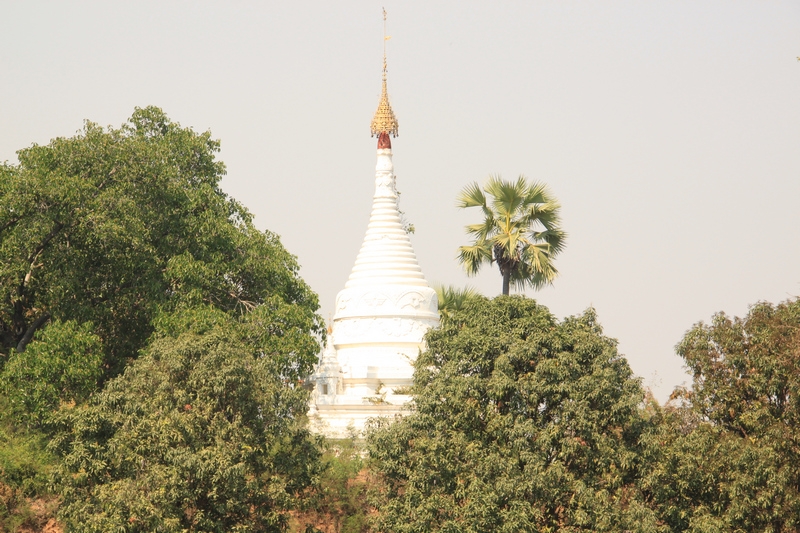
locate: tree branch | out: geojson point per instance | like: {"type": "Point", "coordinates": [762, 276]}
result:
{"type": "Point", "coordinates": [9, 224]}
{"type": "Point", "coordinates": [32, 259]}
{"type": "Point", "coordinates": [19, 306]}
{"type": "Point", "coordinates": [39, 322]}
{"type": "Point", "coordinates": [49, 237]}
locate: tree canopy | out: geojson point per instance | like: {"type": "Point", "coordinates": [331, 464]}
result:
{"type": "Point", "coordinates": [521, 423]}
{"type": "Point", "coordinates": [113, 226]}
{"type": "Point", "coordinates": [519, 232]}
{"type": "Point", "coordinates": [152, 334]}
{"type": "Point", "coordinates": [201, 433]}
{"type": "Point", "coordinates": [728, 459]}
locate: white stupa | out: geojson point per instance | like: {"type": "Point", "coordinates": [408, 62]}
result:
{"type": "Point", "coordinates": [381, 314]}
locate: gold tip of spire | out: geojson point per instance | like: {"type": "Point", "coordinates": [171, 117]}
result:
{"type": "Point", "coordinates": [384, 120]}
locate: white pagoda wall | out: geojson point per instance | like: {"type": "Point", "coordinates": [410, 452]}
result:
{"type": "Point", "coordinates": [381, 317]}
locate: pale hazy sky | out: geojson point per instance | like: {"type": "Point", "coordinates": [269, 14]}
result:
{"type": "Point", "coordinates": [668, 130]}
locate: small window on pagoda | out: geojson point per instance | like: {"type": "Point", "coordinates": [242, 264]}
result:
{"type": "Point", "coordinates": [325, 389]}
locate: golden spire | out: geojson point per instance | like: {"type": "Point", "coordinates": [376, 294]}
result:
{"type": "Point", "coordinates": [384, 120]}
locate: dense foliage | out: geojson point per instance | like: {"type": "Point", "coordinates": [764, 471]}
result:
{"type": "Point", "coordinates": [199, 434]}
{"type": "Point", "coordinates": [337, 502]}
{"type": "Point", "coordinates": [729, 458]}
{"type": "Point", "coordinates": [522, 423]}
{"type": "Point", "coordinates": [25, 467]}
{"type": "Point", "coordinates": [114, 226]}
{"type": "Point", "coordinates": [119, 242]}
{"type": "Point", "coordinates": [62, 365]}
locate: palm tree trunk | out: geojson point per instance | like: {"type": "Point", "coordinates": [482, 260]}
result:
{"type": "Point", "coordinates": [506, 282]}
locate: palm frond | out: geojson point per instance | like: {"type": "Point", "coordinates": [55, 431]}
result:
{"type": "Point", "coordinates": [544, 211]}
{"type": "Point", "coordinates": [538, 193]}
{"type": "Point", "coordinates": [507, 197]}
{"type": "Point", "coordinates": [536, 269]}
{"type": "Point", "coordinates": [452, 299]}
{"type": "Point", "coordinates": [483, 230]}
{"type": "Point", "coordinates": [471, 196]}
{"type": "Point", "coordinates": [555, 238]}
{"type": "Point", "coordinates": [473, 257]}
{"type": "Point", "coordinates": [508, 242]}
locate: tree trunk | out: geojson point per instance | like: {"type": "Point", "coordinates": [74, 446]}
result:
{"type": "Point", "coordinates": [506, 282]}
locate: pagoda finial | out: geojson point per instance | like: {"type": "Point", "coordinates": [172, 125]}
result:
{"type": "Point", "coordinates": [384, 120]}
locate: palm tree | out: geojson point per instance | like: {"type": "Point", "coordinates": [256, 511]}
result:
{"type": "Point", "coordinates": [520, 231]}
{"type": "Point", "coordinates": [452, 299]}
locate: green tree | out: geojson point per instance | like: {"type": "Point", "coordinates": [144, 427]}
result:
{"type": "Point", "coordinates": [205, 432]}
{"type": "Point", "coordinates": [63, 366]}
{"type": "Point", "coordinates": [519, 232]}
{"type": "Point", "coordinates": [521, 423]}
{"type": "Point", "coordinates": [25, 467]}
{"type": "Point", "coordinates": [114, 226]}
{"type": "Point", "coordinates": [728, 459]}
{"type": "Point", "coordinates": [337, 502]}
{"type": "Point", "coordinates": [111, 240]}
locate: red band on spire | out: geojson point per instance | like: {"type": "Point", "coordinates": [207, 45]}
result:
{"type": "Point", "coordinates": [384, 142]}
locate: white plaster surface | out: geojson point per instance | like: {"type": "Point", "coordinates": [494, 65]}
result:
{"type": "Point", "coordinates": [380, 319]}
